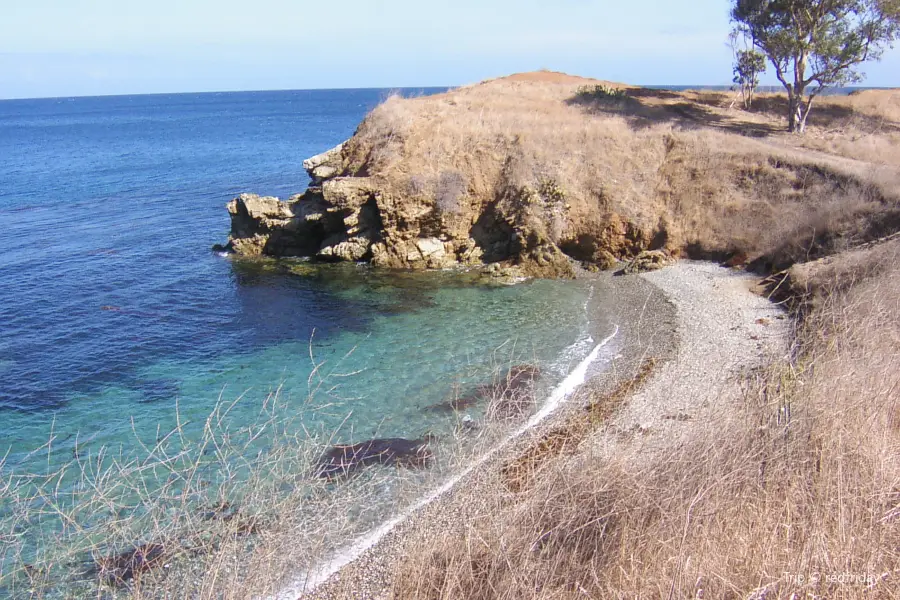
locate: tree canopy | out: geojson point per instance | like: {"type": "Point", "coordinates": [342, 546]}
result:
{"type": "Point", "coordinates": [816, 44]}
{"type": "Point", "coordinates": [748, 66]}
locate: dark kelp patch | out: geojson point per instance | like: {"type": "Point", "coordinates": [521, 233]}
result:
{"type": "Point", "coordinates": [343, 460]}
{"type": "Point", "coordinates": [508, 394]}
{"type": "Point", "coordinates": [120, 568]}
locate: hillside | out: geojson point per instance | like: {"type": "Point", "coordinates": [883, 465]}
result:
{"type": "Point", "coordinates": [540, 168]}
{"type": "Point", "coordinates": [787, 483]}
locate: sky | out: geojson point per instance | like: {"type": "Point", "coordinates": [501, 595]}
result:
{"type": "Point", "coordinates": [51, 48]}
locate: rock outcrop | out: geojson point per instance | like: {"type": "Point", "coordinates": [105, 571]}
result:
{"type": "Point", "coordinates": [341, 217]}
{"type": "Point", "coordinates": [648, 260]}
{"type": "Point", "coordinates": [325, 165]}
{"type": "Point", "coordinates": [347, 218]}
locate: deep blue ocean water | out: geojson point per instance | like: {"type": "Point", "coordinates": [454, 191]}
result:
{"type": "Point", "coordinates": [113, 308]}
{"type": "Point", "coordinates": [115, 202]}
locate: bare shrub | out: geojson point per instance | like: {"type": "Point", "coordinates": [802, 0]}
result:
{"type": "Point", "coordinates": [451, 187]}
{"type": "Point", "coordinates": [418, 185]}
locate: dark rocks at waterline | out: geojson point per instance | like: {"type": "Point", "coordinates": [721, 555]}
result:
{"type": "Point", "coordinates": [344, 460]}
{"type": "Point", "coordinates": [238, 523]}
{"type": "Point", "coordinates": [520, 375]}
{"type": "Point", "coordinates": [646, 261]}
{"type": "Point", "coordinates": [223, 511]}
{"type": "Point", "coordinates": [519, 378]}
{"type": "Point", "coordinates": [119, 569]}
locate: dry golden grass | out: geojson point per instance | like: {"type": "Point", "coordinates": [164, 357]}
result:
{"type": "Point", "coordinates": [795, 493]}
{"type": "Point", "coordinates": [656, 169]}
{"type": "Point", "coordinates": [861, 126]}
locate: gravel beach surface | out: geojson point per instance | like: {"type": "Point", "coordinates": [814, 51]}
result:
{"type": "Point", "coordinates": [701, 324]}
{"type": "Point", "coordinates": [724, 329]}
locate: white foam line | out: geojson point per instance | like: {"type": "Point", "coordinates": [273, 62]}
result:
{"type": "Point", "coordinates": [345, 556]}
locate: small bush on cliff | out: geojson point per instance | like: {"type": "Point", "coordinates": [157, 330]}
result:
{"type": "Point", "coordinates": [601, 93]}
{"type": "Point", "coordinates": [451, 187]}
{"type": "Point", "coordinates": [551, 191]}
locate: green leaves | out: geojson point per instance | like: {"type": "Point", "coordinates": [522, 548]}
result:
{"type": "Point", "coordinates": [820, 42]}
{"type": "Point", "coordinates": [748, 65]}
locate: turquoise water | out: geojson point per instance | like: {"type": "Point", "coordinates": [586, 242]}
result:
{"type": "Point", "coordinates": [428, 338]}
{"type": "Point", "coordinates": [430, 335]}
{"type": "Point", "coordinates": [113, 308]}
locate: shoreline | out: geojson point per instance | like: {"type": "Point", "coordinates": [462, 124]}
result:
{"type": "Point", "coordinates": [699, 323]}
{"type": "Point", "coordinates": [560, 394]}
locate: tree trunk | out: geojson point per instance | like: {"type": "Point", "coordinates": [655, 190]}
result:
{"type": "Point", "coordinates": [799, 110]}
{"type": "Point", "coordinates": [806, 113]}
{"type": "Point", "coordinates": [794, 109]}
{"type": "Point", "coordinates": [797, 121]}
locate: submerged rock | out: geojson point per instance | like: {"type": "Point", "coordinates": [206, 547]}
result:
{"type": "Point", "coordinates": [508, 395]}
{"type": "Point", "coordinates": [157, 390]}
{"type": "Point", "coordinates": [343, 460]}
{"type": "Point", "coordinates": [511, 396]}
{"type": "Point", "coordinates": [119, 569]}
{"type": "Point", "coordinates": [456, 403]}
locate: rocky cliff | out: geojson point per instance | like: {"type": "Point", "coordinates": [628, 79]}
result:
{"type": "Point", "coordinates": [343, 217]}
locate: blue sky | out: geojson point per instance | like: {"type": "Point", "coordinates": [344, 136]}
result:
{"type": "Point", "coordinates": [92, 47]}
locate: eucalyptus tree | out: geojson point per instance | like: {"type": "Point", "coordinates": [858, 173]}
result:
{"type": "Point", "coordinates": [816, 44]}
{"type": "Point", "coordinates": [748, 66]}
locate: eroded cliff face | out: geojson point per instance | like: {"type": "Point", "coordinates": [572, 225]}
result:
{"type": "Point", "coordinates": [342, 217]}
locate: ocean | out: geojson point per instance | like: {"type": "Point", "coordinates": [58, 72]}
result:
{"type": "Point", "coordinates": [118, 323]}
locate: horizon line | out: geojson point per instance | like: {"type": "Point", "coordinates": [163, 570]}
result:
{"type": "Point", "coordinates": [686, 86]}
